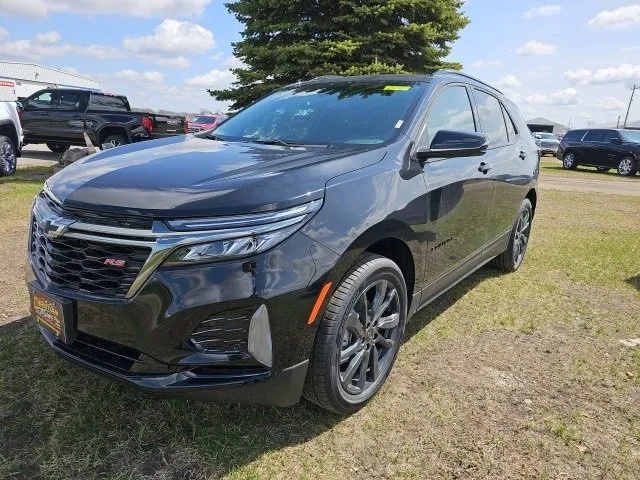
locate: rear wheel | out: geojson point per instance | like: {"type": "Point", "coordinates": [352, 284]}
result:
{"type": "Point", "coordinates": [358, 337]}
{"type": "Point", "coordinates": [569, 161]}
{"type": "Point", "coordinates": [8, 159]}
{"type": "Point", "coordinates": [511, 259]}
{"type": "Point", "coordinates": [57, 147]}
{"type": "Point", "coordinates": [627, 167]}
{"type": "Point", "coordinates": [114, 140]}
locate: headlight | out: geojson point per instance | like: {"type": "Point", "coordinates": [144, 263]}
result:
{"type": "Point", "coordinates": [237, 236]}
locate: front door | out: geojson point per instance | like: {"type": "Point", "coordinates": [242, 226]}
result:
{"type": "Point", "coordinates": [458, 193]}
{"type": "Point", "coordinates": [35, 118]}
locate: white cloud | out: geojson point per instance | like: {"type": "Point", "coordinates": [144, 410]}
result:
{"type": "Point", "coordinates": [217, 56]}
{"type": "Point", "coordinates": [172, 37]}
{"type": "Point", "coordinates": [566, 97]}
{"type": "Point", "coordinates": [619, 19]}
{"type": "Point", "coordinates": [488, 64]}
{"type": "Point", "coordinates": [42, 45]}
{"type": "Point", "coordinates": [101, 52]}
{"type": "Point", "coordinates": [233, 62]}
{"type": "Point", "coordinates": [135, 8]}
{"type": "Point", "coordinates": [508, 81]}
{"type": "Point", "coordinates": [536, 49]}
{"type": "Point", "coordinates": [623, 73]}
{"type": "Point", "coordinates": [173, 62]}
{"type": "Point", "coordinates": [215, 79]}
{"type": "Point", "coordinates": [140, 77]}
{"type": "Point", "coordinates": [609, 103]}
{"type": "Point", "coordinates": [3, 33]}
{"type": "Point", "coordinates": [543, 11]}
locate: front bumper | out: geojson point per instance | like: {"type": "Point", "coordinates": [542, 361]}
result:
{"type": "Point", "coordinates": [145, 340]}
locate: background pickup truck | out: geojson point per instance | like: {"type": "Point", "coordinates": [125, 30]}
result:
{"type": "Point", "coordinates": [58, 117]}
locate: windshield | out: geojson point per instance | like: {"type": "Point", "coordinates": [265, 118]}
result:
{"type": "Point", "coordinates": [203, 120]}
{"type": "Point", "coordinates": [364, 113]}
{"type": "Point", "coordinates": [631, 135]}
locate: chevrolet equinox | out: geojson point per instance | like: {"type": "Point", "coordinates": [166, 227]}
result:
{"type": "Point", "coordinates": [282, 253]}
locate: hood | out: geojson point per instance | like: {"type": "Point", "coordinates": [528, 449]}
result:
{"type": "Point", "coordinates": [188, 176]}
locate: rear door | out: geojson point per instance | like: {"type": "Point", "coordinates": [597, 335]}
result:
{"type": "Point", "coordinates": [67, 119]}
{"type": "Point", "coordinates": [459, 195]}
{"type": "Point", "coordinates": [502, 163]}
{"type": "Point", "coordinates": [592, 150]}
{"type": "Point", "coordinates": [36, 115]}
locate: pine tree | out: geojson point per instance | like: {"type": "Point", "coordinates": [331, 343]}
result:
{"type": "Point", "coordinates": [285, 41]}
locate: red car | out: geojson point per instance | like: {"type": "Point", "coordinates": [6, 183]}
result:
{"type": "Point", "coordinates": [204, 122]}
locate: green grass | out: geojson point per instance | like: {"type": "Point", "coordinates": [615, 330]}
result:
{"type": "Point", "coordinates": [453, 407]}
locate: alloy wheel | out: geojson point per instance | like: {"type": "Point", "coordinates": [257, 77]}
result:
{"type": "Point", "coordinates": [370, 338]}
{"type": "Point", "coordinates": [521, 240]}
{"type": "Point", "coordinates": [625, 167]}
{"type": "Point", "coordinates": [568, 160]}
{"type": "Point", "coordinates": [7, 157]}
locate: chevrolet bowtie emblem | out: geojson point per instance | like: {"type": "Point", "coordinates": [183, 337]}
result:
{"type": "Point", "coordinates": [54, 226]}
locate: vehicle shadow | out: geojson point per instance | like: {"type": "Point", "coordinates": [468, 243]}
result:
{"type": "Point", "coordinates": [41, 155]}
{"type": "Point", "coordinates": [634, 282]}
{"type": "Point", "coordinates": [51, 406]}
{"type": "Point", "coordinates": [438, 306]}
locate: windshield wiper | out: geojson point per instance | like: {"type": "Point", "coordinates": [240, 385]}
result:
{"type": "Point", "coordinates": [273, 141]}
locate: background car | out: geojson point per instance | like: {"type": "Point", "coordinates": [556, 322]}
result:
{"type": "Point", "coordinates": [204, 122]}
{"type": "Point", "coordinates": [602, 148]}
{"type": "Point", "coordinates": [547, 142]}
{"type": "Point", "coordinates": [10, 138]}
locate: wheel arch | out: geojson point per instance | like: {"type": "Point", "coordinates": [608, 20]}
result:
{"type": "Point", "coordinates": [107, 130]}
{"type": "Point", "coordinates": [8, 129]}
{"type": "Point", "coordinates": [532, 196]}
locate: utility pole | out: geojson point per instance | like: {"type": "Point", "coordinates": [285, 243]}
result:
{"type": "Point", "coordinates": [629, 107]}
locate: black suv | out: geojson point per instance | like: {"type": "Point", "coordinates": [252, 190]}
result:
{"type": "Point", "coordinates": [601, 148]}
{"type": "Point", "coordinates": [285, 251]}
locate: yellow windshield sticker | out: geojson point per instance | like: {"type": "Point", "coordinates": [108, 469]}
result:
{"type": "Point", "coordinates": [397, 88]}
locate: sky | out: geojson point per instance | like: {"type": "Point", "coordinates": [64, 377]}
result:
{"type": "Point", "coordinates": [569, 61]}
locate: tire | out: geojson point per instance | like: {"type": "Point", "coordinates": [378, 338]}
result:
{"type": "Point", "coordinates": [116, 140]}
{"type": "Point", "coordinates": [8, 157]}
{"type": "Point", "coordinates": [342, 333]}
{"type": "Point", "coordinates": [569, 161]}
{"type": "Point", "coordinates": [603, 169]}
{"type": "Point", "coordinates": [511, 259]}
{"type": "Point", "coordinates": [627, 167]}
{"type": "Point", "coordinates": [57, 147]}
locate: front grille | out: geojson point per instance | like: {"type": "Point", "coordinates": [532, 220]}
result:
{"type": "Point", "coordinates": [78, 265]}
{"type": "Point", "coordinates": [226, 332]}
{"type": "Point", "coordinates": [95, 218]}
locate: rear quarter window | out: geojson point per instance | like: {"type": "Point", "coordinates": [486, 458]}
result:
{"type": "Point", "coordinates": [106, 102]}
{"type": "Point", "coordinates": [574, 135]}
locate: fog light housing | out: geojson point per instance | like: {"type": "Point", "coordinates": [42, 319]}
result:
{"type": "Point", "coordinates": [260, 346]}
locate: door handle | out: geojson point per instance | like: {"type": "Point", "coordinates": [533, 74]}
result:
{"type": "Point", "coordinates": [523, 155]}
{"type": "Point", "coordinates": [484, 167]}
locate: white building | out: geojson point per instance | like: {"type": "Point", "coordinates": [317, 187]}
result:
{"type": "Point", "coordinates": [29, 78]}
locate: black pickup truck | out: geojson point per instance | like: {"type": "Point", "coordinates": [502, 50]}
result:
{"type": "Point", "coordinates": [59, 117]}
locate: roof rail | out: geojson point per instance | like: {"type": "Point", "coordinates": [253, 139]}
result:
{"type": "Point", "coordinates": [461, 74]}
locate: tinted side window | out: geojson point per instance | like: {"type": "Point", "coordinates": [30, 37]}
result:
{"type": "Point", "coordinates": [511, 127]}
{"type": "Point", "coordinates": [491, 119]}
{"type": "Point", "coordinates": [105, 102]}
{"type": "Point", "coordinates": [44, 100]}
{"type": "Point", "coordinates": [610, 135]}
{"type": "Point", "coordinates": [451, 111]}
{"type": "Point", "coordinates": [70, 100]}
{"type": "Point", "coordinates": [595, 136]}
{"type": "Point", "coordinates": [574, 135]}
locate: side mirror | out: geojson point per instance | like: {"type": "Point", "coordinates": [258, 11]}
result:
{"type": "Point", "coordinates": [616, 141]}
{"type": "Point", "coordinates": [453, 143]}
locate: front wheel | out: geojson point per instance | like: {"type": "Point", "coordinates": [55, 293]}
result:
{"type": "Point", "coordinates": [627, 167]}
{"type": "Point", "coordinates": [511, 259]}
{"type": "Point", "coordinates": [8, 159]}
{"type": "Point", "coordinates": [358, 337]}
{"type": "Point", "coordinates": [57, 147]}
{"type": "Point", "coordinates": [569, 162]}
